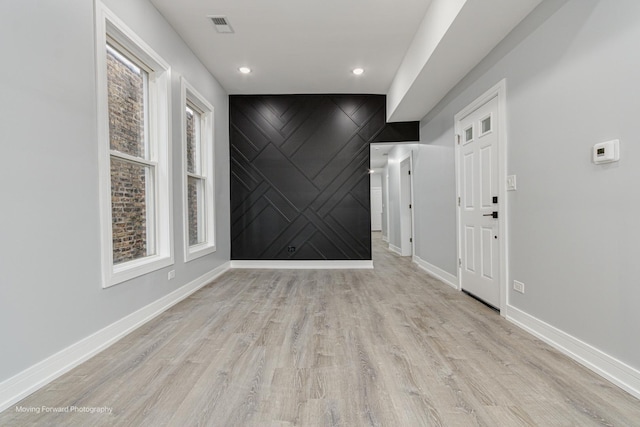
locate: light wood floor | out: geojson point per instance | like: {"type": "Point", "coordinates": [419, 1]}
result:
{"type": "Point", "coordinates": [384, 347]}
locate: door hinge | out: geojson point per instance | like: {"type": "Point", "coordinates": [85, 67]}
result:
{"type": "Point", "coordinates": [459, 262]}
{"type": "Point", "coordinates": [410, 239]}
{"type": "Point", "coordinates": [458, 201]}
{"type": "Point", "coordinates": [409, 205]}
{"type": "Point", "coordinates": [458, 139]}
{"type": "Point", "coordinates": [409, 172]}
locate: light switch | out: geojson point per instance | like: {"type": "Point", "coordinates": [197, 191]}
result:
{"type": "Point", "coordinates": [511, 183]}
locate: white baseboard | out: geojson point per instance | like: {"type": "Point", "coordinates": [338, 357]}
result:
{"type": "Point", "coordinates": [31, 379]}
{"type": "Point", "coordinates": [619, 373]}
{"type": "Point", "coordinates": [304, 265]}
{"type": "Point", "coordinates": [437, 272]}
{"type": "Point", "coordinates": [395, 249]}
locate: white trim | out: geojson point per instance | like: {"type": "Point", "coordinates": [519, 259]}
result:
{"type": "Point", "coordinates": [437, 272]}
{"type": "Point", "coordinates": [159, 149]}
{"type": "Point", "coordinates": [304, 265]}
{"type": "Point", "coordinates": [37, 376]}
{"type": "Point", "coordinates": [132, 159]}
{"type": "Point", "coordinates": [498, 91]}
{"type": "Point", "coordinates": [385, 238]}
{"type": "Point", "coordinates": [207, 147]}
{"type": "Point", "coordinates": [610, 368]}
{"type": "Point", "coordinates": [395, 249]}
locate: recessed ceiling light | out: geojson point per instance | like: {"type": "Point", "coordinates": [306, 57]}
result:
{"type": "Point", "coordinates": [244, 70]}
{"type": "Point", "coordinates": [358, 71]}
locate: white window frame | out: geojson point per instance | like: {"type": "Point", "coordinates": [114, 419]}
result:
{"type": "Point", "coordinates": [110, 27]}
{"type": "Point", "coordinates": [191, 96]}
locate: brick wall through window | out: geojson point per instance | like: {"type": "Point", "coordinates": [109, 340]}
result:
{"type": "Point", "coordinates": [129, 180]}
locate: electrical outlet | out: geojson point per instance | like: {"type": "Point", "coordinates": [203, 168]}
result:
{"type": "Point", "coordinates": [291, 249]}
{"type": "Point", "coordinates": [518, 286]}
{"type": "Point", "coordinates": [511, 183]}
{"type": "Point", "coordinates": [172, 274]}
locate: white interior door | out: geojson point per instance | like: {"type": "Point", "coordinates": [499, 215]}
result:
{"type": "Point", "coordinates": [406, 226]}
{"type": "Point", "coordinates": [478, 161]}
{"type": "Point", "coordinates": [376, 209]}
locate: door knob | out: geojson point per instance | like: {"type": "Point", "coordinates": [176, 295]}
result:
{"type": "Point", "coordinates": [493, 214]}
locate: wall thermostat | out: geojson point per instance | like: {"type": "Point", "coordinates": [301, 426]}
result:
{"type": "Point", "coordinates": [606, 152]}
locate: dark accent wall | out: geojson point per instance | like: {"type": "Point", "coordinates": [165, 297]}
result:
{"type": "Point", "coordinates": [299, 175]}
{"type": "Point", "coordinates": [399, 132]}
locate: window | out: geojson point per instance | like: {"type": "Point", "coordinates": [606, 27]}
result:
{"type": "Point", "coordinates": [468, 134]}
{"type": "Point", "coordinates": [485, 125]}
{"type": "Point", "coordinates": [199, 227]}
{"type": "Point", "coordinates": [133, 87]}
{"type": "Point", "coordinates": [132, 173]}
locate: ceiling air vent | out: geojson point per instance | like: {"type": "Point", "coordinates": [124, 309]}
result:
{"type": "Point", "coordinates": [222, 24]}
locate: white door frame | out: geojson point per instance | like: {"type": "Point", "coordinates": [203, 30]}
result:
{"type": "Point", "coordinates": [409, 156]}
{"type": "Point", "coordinates": [498, 91]}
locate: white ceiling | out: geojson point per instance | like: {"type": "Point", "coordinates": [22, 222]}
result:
{"type": "Point", "coordinates": [379, 155]}
{"type": "Point", "coordinates": [413, 51]}
{"type": "Point", "coordinates": [295, 46]}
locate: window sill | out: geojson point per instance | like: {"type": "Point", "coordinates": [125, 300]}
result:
{"type": "Point", "coordinates": [132, 269]}
{"type": "Point", "coordinates": [197, 251]}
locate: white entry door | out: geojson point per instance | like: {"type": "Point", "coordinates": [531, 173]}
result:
{"type": "Point", "coordinates": [478, 161]}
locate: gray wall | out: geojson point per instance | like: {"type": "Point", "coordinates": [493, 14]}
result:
{"type": "Point", "coordinates": [50, 290]}
{"type": "Point", "coordinates": [572, 81]}
{"type": "Point", "coordinates": [435, 197]}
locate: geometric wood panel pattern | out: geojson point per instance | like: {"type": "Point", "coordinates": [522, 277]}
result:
{"type": "Point", "coordinates": [299, 175]}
